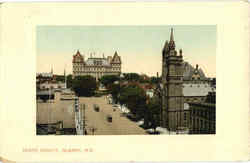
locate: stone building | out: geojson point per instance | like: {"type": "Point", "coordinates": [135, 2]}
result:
{"type": "Point", "coordinates": [184, 92]}
{"type": "Point", "coordinates": [172, 80]}
{"type": "Point", "coordinates": [96, 67]}
{"type": "Point", "coordinates": [203, 116]}
{"type": "Point", "coordinates": [46, 81]}
{"type": "Point", "coordinates": [196, 85]}
{"type": "Point", "coordinates": [55, 114]}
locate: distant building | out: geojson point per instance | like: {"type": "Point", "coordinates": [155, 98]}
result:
{"type": "Point", "coordinates": [96, 67]}
{"type": "Point", "coordinates": [45, 81]}
{"type": "Point", "coordinates": [196, 85]}
{"type": "Point", "coordinates": [52, 85]}
{"type": "Point", "coordinates": [45, 77]}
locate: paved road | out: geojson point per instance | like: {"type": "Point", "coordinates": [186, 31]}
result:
{"type": "Point", "coordinates": [119, 126]}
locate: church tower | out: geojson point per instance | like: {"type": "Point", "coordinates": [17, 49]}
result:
{"type": "Point", "coordinates": [172, 94]}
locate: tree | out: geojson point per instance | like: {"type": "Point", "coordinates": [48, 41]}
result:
{"type": "Point", "coordinates": [134, 98]}
{"type": "Point", "coordinates": [60, 78]}
{"type": "Point", "coordinates": [131, 76]}
{"type": "Point", "coordinates": [115, 91]}
{"type": "Point", "coordinates": [84, 85]}
{"type": "Point", "coordinates": [69, 81]}
{"type": "Point", "coordinates": [109, 79]}
{"type": "Point", "coordinates": [152, 113]}
{"type": "Point", "coordinates": [154, 80]}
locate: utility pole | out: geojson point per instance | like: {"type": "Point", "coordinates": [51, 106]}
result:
{"type": "Point", "coordinates": [83, 118]}
{"type": "Point", "coordinates": [49, 111]}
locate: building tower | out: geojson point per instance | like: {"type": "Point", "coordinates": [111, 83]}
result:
{"type": "Point", "coordinates": [172, 98]}
{"type": "Point", "coordinates": [164, 82]}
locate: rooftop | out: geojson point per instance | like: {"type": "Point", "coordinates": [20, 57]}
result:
{"type": "Point", "coordinates": [59, 110]}
{"type": "Point", "coordinates": [97, 61]}
{"type": "Point", "coordinates": [196, 89]}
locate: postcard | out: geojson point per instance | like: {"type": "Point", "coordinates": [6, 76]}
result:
{"type": "Point", "coordinates": [124, 81]}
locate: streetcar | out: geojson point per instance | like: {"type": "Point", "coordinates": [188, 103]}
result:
{"type": "Point", "coordinates": [109, 118]}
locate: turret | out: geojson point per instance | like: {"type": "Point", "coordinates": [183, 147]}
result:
{"type": "Point", "coordinates": [180, 52]}
{"type": "Point", "coordinates": [165, 48]}
{"type": "Point", "coordinates": [78, 57]}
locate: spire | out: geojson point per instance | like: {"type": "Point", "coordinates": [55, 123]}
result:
{"type": "Point", "coordinates": [78, 52]}
{"type": "Point", "coordinates": [171, 42]}
{"type": "Point", "coordinates": [103, 55]}
{"type": "Point", "coordinates": [51, 70]}
{"type": "Point", "coordinates": [171, 35]}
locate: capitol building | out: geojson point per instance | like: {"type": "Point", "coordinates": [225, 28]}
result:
{"type": "Point", "coordinates": [96, 67]}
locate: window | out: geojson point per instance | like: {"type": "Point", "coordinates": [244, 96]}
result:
{"type": "Point", "coordinates": [185, 116]}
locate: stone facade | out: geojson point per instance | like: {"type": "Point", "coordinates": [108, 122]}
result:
{"type": "Point", "coordinates": [96, 67]}
{"type": "Point", "coordinates": [185, 94]}
{"type": "Point", "coordinates": [202, 118]}
{"type": "Point", "coordinates": [172, 80]}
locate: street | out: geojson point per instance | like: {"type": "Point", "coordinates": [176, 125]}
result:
{"type": "Point", "coordinates": [97, 124]}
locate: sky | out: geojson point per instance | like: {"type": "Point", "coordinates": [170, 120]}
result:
{"type": "Point", "coordinates": [140, 47]}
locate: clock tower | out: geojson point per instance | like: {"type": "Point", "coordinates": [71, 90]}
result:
{"type": "Point", "coordinates": [172, 94]}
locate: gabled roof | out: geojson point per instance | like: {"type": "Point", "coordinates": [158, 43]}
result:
{"type": "Point", "coordinates": [116, 58]}
{"type": "Point", "coordinates": [189, 71]}
{"type": "Point", "coordinates": [78, 57]}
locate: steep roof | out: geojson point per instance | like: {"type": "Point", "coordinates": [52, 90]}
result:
{"type": "Point", "coordinates": [97, 61]}
{"type": "Point", "coordinates": [78, 57]}
{"type": "Point", "coordinates": [116, 58]}
{"type": "Point", "coordinates": [189, 71]}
